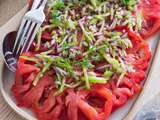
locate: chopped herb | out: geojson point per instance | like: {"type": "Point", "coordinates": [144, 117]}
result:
{"type": "Point", "coordinates": [86, 63]}
{"type": "Point", "coordinates": [56, 18]}
{"type": "Point", "coordinates": [96, 58]}
{"type": "Point", "coordinates": [58, 4]}
{"type": "Point", "coordinates": [91, 50]}
{"type": "Point", "coordinates": [74, 54]}
{"type": "Point", "coordinates": [130, 3]}
{"type": "Point", "coordinates": [115, 63]}
{"type": "Point", "coordinates": [69, 24]}
{"type": "Point", "coordinates": [65, 45]}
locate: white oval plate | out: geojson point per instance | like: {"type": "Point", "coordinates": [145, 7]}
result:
{"type": "Point", "coordinates": [7, 79]}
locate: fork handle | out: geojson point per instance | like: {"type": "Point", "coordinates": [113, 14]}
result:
{"type": "Point", "coordinates": [38, 3]}
{"type": "Point", "coordinates": [43, 4]}
{"type": "Point", "coordinates": [35, 4]}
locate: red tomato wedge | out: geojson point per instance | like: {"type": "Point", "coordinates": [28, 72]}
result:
{"type": "Point", "coordinates": [151, 15]}
{"type": "Point", "coordinates": [46, 36]}
{"type": "Point", "coordinates": [27, 68]}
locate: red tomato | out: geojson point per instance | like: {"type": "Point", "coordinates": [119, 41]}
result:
{"type": "Point", "coordinates": [27, 68]}
{"type": "Point", "coordinates": [35, 93]}
{"type": "Point", "coordinates": [88, 110]}
{"type": "Point", "coordinates": [46, 36]}
{"type": "Point", "coordinates": [21, 88]}
{"type": "Point", "coordinates": [107, 94]}
{"type": "Point", "coordinates": [140, 47]}
{"type": "Point", "coordinates": [119, 98]}
{"type": "Point", "coordinates": [127, 82]}
{"type": "Point", "coordinates": [151, 14]}
{"type": "Point", "coordinates": [72, 103]}
{"type": "Point", "coordinates": [55, 111]}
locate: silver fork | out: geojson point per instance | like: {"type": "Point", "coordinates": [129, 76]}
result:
{"type": "Point", "coordinates": [26, 34]}
{"type": "Point", "coordinates": [32, 22]}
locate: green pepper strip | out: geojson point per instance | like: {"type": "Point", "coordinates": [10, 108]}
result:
{"type": "Point", "coordinates": [40, 74]}
{"type": "Point", "coordinates": [61, 89]}
{"type": "Point", "coordinates": [95, 79]}
{"type": "Point", "coordinates": [86, 78]}
{"type": "Point", "coordinates": [32, 59]}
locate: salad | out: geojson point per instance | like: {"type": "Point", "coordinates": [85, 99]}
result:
{"type": "Point", "coordinates": [88, 58]}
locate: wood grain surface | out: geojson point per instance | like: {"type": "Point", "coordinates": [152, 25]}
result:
{"type": "Point", "coordinates": [6, 113]}
{"type": "Point", "coordinates": [9, 8]}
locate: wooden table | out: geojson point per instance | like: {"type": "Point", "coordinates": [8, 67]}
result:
{"type": "Point", "coordinates": [8, 8]}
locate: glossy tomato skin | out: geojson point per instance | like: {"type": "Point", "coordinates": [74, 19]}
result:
{"type": "Point", "coordinates": [27, 68]}
{"type": "Point", "coordinates": [106, 94]}
{"type": "Point", "coordinates": [54, 113]}
{"type": "Point", "coordinates": [150, 27]}
{"type": "Point", "coordinates": [46, 36]}
{"type": "Point", "coordinates": [72, 103]}
{"type": "Point", "coordinates": [151, 17]}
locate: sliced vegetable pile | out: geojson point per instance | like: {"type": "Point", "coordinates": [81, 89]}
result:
{"type": "Point", "coordinates": [88, 59]}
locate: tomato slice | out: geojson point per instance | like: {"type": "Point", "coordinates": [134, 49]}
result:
{"type": "Point", "coordinates": [127, 82]}
{"type": "Point", "coordinates": [88, 110]}
{"type": "Point", "coordinates": [56, 107]}
{"type": "Point", "coordinates": [150, 27]}
{"type": "Point", "coordinates": [46, 36]}
{"type": "Point", "coordinates": [35, 93]}
{"type": "Point", "coordinates": [119, 98]}
{"type": "Point", "coordinates": [22, 88]}
{"type": "Point", "coordinates": [72, 110]}
{"type": "Point", "coordinates": [107, 94]}
{"type": "Point", "coordinates": [140, 47]}
{"type": "Point", "coordinates": [27, 68]}
{"type": "Point", "coordinates": [151, 16]}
